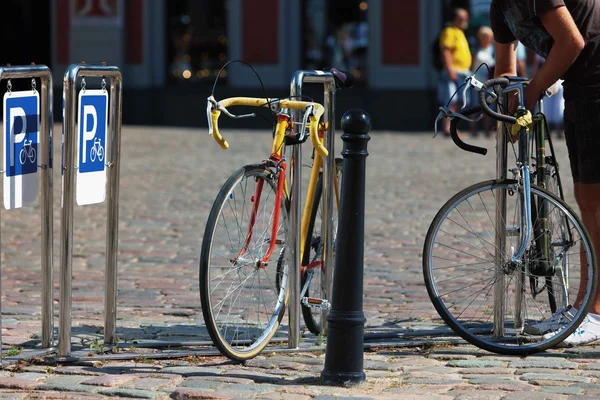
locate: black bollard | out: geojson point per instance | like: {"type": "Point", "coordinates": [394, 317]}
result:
{"type": "Point", "coordinates": [344, 354]}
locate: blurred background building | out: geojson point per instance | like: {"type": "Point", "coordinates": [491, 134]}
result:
{"type": "Point", "coordinates": [170, 51]}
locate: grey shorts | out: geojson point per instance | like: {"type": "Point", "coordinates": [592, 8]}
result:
{"type": "Point", "coordinates": [582, 134]}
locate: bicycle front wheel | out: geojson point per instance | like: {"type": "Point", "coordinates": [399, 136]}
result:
{"type": "Point", "coordinates": [476, 287]}
{"type": "Point", "coordinates": [243, 298]}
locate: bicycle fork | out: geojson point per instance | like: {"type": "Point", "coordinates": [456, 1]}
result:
{"type": "Point", "coordinates": [262, 263]}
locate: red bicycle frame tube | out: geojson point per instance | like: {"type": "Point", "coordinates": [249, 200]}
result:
{"type": "Point", "coordinates": [276, 159]}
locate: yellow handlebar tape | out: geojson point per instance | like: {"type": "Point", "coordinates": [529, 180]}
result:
{"type": "Point", "coordinates": [524, 121]}
{"type": "Point", "coordinates": [262, 102]}
{"type": "Point", "coordinates": [214, 114]}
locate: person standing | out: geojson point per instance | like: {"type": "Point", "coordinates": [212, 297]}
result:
{"type": "Point", "coordinates": [566, 33]}
{"type": "Point", "coordinates": [456, 59]}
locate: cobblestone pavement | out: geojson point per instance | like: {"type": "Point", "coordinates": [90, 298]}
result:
{"type": "Point", "coordinates": [169, 178]}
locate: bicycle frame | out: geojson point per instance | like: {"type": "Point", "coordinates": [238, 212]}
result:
{"type": "Point", "coordinates": [277, 158]}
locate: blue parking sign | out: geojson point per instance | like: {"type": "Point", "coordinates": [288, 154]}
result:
{"type": "Point", "coordinates": [93, 122]}
{"type": "Point", "coordinates": [92, 150]}
{"type": "Point", "coordinates": [21, 132]}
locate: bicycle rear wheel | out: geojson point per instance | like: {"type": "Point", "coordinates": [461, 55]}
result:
{"type": "Point", "coordinates": [313, 251]}
{"type": "Point", "coordinates": [243, 301]}
{"type": "Point", "coordinates": [479, 291]}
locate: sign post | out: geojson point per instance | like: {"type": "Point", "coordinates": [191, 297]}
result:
{"type": "Point", "coordinates": [92, 147]}
{"type": "Point", "coordinates": [27, 165]}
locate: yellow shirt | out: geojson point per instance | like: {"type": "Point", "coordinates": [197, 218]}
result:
{"type": "Point", "coordinates": [454, 39]}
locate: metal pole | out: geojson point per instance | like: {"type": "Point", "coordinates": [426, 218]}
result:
{"type": "Point", "coordinates": [46, 212]}
{"type": "Point", "coordinates": [328, 195]}
{"type": "Point", "coordinates": [112, 210]}
{"type": "Point", "coordinates": [66, 249]}
{"type": "Point", "coordinates": [295, 217]}
{"type": "Point", "coordinates": [45, 141]}
{"type": "Point", "coordinates": [345, 343]}
{"type": "Point", "coordinates": [501, 256]}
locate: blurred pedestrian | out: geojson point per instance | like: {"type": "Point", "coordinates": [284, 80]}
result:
{"type": "Point", "coordinates": [456, 59]}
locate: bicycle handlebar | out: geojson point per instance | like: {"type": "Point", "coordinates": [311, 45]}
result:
{"type": "Point", "coordinates": [484, 105]}
{"type": "Point", "coordinates": [215, 109]}
{"type": "Point", "coordinates": [457, 140]}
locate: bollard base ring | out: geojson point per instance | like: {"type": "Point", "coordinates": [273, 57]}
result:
{"type": "Point", "coordinates": [346, 379]}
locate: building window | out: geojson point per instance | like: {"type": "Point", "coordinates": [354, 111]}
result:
{"type": "Point", "coordinates": [197, 40]}
{"type": "Point", "coordinates": [336, 35]}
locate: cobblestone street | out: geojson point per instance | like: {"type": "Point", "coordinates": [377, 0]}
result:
{"type": "Point", "coordinates": [169, 179]}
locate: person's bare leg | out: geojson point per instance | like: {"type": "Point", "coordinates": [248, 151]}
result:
{"type": "Point", "coordinates": [588, 199]}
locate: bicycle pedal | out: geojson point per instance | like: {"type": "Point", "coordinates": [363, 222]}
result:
{"type": "Point", "coordinates": [314, 302]}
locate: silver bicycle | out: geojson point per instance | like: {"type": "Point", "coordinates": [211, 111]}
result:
{"type": "Point", "coordinates": [505, 258]}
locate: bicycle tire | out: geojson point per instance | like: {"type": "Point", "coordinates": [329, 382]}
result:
{"type": "Point", "coordinates": [256, 316]}
{"type": "Point", "coordinates": [552, 184]}
{"type": "Point", "coordinates": [475, 325]}
{"type": "Point", "coordinates": [313, 250]}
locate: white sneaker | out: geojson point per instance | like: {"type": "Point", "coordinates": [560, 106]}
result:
{"type": "Point", "coordinates": [558, 320]}
{"type": "Point", "coordinates": [587, 333]}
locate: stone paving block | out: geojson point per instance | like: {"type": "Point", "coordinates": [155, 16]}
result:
{"type": "Point", "coordinates": [554, 379]}
{"type": "Point", "coordinates": [149, 383]}
{"type": "Point", "coordinates": [535, 396]}
{"type": "Point", "coordinates": [78, 370]}
{"type": "Point", "coordinates": [53, 395]}
{"type": "Point", "coordinates": [138, 394]}
{"type": "Point", "coordinates": [341, 398]}
{"type": "Point", "coordinates": [554, 364]}
{"type": "Point", "coordinates": [476, 394]}
{"type": "Point", "coordinates": [12, 395]}
{"type": "Point", "coordinates": [227, 379]}
{"type": "Point", "coordinates": [490, 379]}
{"type": "Point", "coordinates": [568, 390]}
{"type": "Point", "coordinates": [592, 366]}
{"type": "Point", "coordinates": [191, 371]}
{"type": "Point", "coordinates": [283, 396]}
{"type": "Point", "coordinates": [67, 387]}
{"type": "Point", "coordinates": [424, 381]}
{"type": "Point", "coordinates": [546, 371]}
{"type": "Point", "coordinates": [258, 377]}
{"type": "Point", "coordinates": [109, 380]}
{"type": "Point", "coordinates": [476, 363]}
{"type": "Point", "coordinates": [415, 394]}
{"type": "Point", "coordinates": [66, 379]}
{"type": "Point", "coordinates": [508, 386]}
{"type": "Point", "coordinates": [199, 383]}
{"type": "Point", "coordinates": [17, 383]}
{"type": "Point", "coordinates": [192, 394]}
{"type": "Point", "coordinates": [32, 376]}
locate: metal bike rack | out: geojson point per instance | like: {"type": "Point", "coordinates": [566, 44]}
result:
{"type": "Point", "coordinates": [328, 81]}
{"type": "Point", "coordinates": [112, 202]}
{"type": "Point", "coordinates": [501, 172]}
{"type": "Point", "coordinates": [44, 164]}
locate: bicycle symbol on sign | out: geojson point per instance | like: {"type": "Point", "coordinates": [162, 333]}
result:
{"type": "Point", "coordinates": [27, 152]}
{"type": "Point", "coordinates": [97, 151]}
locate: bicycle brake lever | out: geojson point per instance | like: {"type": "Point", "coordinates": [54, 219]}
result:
{"type": "Point", "coordinates": [464, 95]}
{"type": "Point", "coordinates": [307, 113]}
{"type": "Point", "coordinates": [435, 126]}
{"type": "Point", "coordinates": [211, 104]}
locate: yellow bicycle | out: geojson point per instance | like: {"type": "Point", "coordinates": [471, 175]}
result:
{"type": "Point", "coordinates": [243, 266]}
